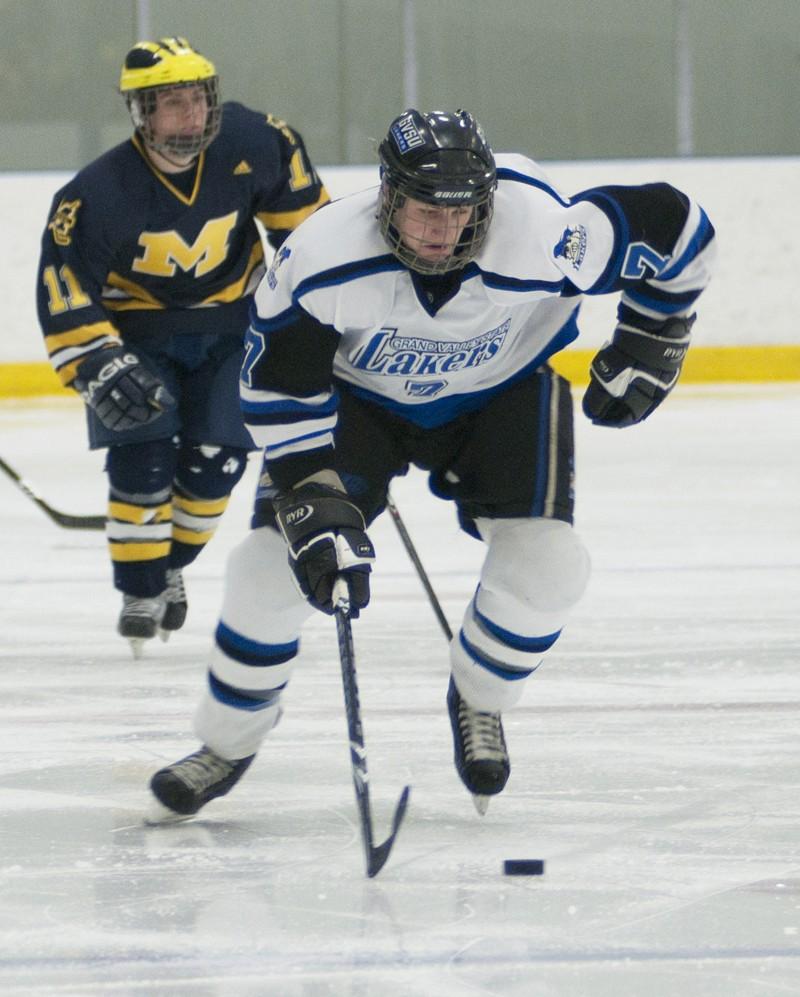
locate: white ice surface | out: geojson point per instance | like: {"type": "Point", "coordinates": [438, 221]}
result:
{"type": "Point", "coordinates": [655, 756]}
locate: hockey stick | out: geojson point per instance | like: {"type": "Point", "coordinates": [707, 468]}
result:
{"type": "Point", "coordinates": [61, 518]}
{"type": "Point", "coordinates": [376, 855]}
{"type": "Point", "coordinates": [423, 575]}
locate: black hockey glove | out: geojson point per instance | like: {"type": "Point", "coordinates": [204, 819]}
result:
{"type": "Point", "coordinates": [634, 373]}
{"type": "Point", "coordinates": [326, 535]}
{"type": "Point", "coordinates": [120, 389]}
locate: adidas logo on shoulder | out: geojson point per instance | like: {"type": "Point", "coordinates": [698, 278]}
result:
{"type": "Point", "coordinates": [242, 168]}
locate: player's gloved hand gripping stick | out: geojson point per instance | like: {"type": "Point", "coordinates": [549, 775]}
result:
{"type": "Point", "coordinates": [331, 557]}
{"type": "Point", "coordinates": [327, 540]}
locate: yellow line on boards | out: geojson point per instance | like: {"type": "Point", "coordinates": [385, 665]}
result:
{"type": "Point", "coordinates": [704, 364]}
{"type": "Point", "coordinates": [742, 363]}
{"type": "Point", "coordinates": [22, 380]}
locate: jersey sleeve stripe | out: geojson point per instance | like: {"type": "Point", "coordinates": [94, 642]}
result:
{"type": "Point", "coordinates": [118, 292]}
{"type": "Point", "coordinates": [274, 322]}
{"type": "Point", "coordinates": [291, 219]}
{"type": "Point", "coordinates": [283, 413]}
{"type": "Point", "coordinates": [605, 282]}
{"type": "Point", "coordinates": [63, 360]}
{"type": "Point", "coordinates": [244, 285]}
{"type": "Point", "coordinates": [702, 236]}
{"type": "Point", "coordinates": [504, 173]}
{"type": "Point", "coordinates": [300, 444]}
{"type": "Point", "coordinates": [80, 335]}
{"type": "Point", "coordinates": [277, 401]}
{"type": "Point", "coordinates": [67, 349]}
{"type": "Point", "coordinates": [656, 305]}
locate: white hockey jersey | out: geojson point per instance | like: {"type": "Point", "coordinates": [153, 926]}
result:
{"type": "Point", "coordinates": [337, 306]}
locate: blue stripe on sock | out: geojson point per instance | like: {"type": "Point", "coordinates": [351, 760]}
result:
{"type": "Point", "coordinates": [251, 652]}
{"type": "Point", "coordinates": [533, 645]}
{"type": "Point", "coordinates": [508, 674]}
{"type": "Point", "coordinates": [250, 701]}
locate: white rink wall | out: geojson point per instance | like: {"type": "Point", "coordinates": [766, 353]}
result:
{"type": "Point", "coordinates": [754, 204]}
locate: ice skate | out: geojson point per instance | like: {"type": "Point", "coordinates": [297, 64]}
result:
{"type": "Point", "coordinates": [182, 788]}
{"type": "Point", "coordinates": [139, 620]}
{"type": "Point", "coordinates": [176, 604]}
{"type": "Point", "coordinates": [481, 756]}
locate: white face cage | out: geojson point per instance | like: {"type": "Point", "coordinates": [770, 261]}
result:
{"type": "Point", "coordinates": [465, 249]}
{"type": "Point", "coordinates": [142, 104]}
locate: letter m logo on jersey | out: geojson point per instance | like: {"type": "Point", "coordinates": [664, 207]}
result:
{"type": "Point", "coordinates": [640, 259]}
{"type": "Point", "coordinates": [164, 252]}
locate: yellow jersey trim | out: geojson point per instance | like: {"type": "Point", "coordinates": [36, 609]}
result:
{"type": "Point", "coordinates": [163, 177]}
{"type": "Point", "coordinates": [291, 219]}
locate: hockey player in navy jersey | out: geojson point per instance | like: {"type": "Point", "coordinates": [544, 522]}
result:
{"type": "Point", "coordinates": [148, 267]}
{"type": "Point", "coordinates": [413, 325]}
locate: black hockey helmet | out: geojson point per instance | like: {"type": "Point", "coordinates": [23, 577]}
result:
{"type": "Point", "coordinates": [439, 158]}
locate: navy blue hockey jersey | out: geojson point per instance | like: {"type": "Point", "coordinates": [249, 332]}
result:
{"type": "Point", "coordinates": [130, 251]}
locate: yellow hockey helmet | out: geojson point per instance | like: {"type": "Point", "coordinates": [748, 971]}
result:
{"type": "Point", "coordinates": [151, 67]}
{"type": "Point", "coordinates": [166, 62]}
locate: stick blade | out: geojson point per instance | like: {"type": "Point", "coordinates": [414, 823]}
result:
{"type": "Point", "coordinates": [60, 518]}
{"type": "Point", "coordinates": [378, 854]}
{"type": "Point", "coordinates": [78, 522]}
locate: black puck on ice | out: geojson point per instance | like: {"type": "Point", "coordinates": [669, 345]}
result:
{"type": "Point", "coordinates": [523, 867]}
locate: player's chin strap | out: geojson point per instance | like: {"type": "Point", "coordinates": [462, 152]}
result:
{"type": "Point", "coordinates": [376, 855]}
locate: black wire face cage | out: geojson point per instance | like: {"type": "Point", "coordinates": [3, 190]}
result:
{"type": "Point", "coordinates": [466, 249]}
{"type": "Point", "coordinates": [142, 104]}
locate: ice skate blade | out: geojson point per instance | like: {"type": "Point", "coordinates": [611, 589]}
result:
{"type": "Point", "coordinates": [481, 803]}
{"type": "Point", "coordinates": [158, 815]}
{"type": "Point", "coordinates": [164, 635]}
{"type": "Point", "coordinates": [137, 647]}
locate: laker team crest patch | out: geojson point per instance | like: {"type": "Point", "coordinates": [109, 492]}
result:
{"type": "Point", "coordinates": [63, 222]}
{"type": "Point", "coordinates": [572, 245]}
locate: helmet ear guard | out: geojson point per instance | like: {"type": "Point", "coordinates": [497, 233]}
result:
{"type": "Point", "coordinates": [151, 68]}
{"type": "Point", "coordinates": [439, 158]}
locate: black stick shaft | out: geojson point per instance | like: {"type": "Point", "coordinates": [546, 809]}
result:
{"type": "Point", "coordinates": [421, 572]}
{"type": "Point", "coordinates": [355, 732]}
{"type": "Point", "coordinates": [376, 855]}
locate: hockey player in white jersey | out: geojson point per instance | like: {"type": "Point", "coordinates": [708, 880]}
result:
{"type": "Point", "coordinates": [413, 325]}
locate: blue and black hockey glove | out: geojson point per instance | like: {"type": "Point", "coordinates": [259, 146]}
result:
{"type": "Point", "coordinates": [634, 373]}
{"type": "Point", "coordinates": [120, 389]}
{"type": "Point", "coordinates": [326, 535]}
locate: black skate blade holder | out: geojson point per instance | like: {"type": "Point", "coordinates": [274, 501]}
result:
{"type": "Point", "coordinates": [376, 855]}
